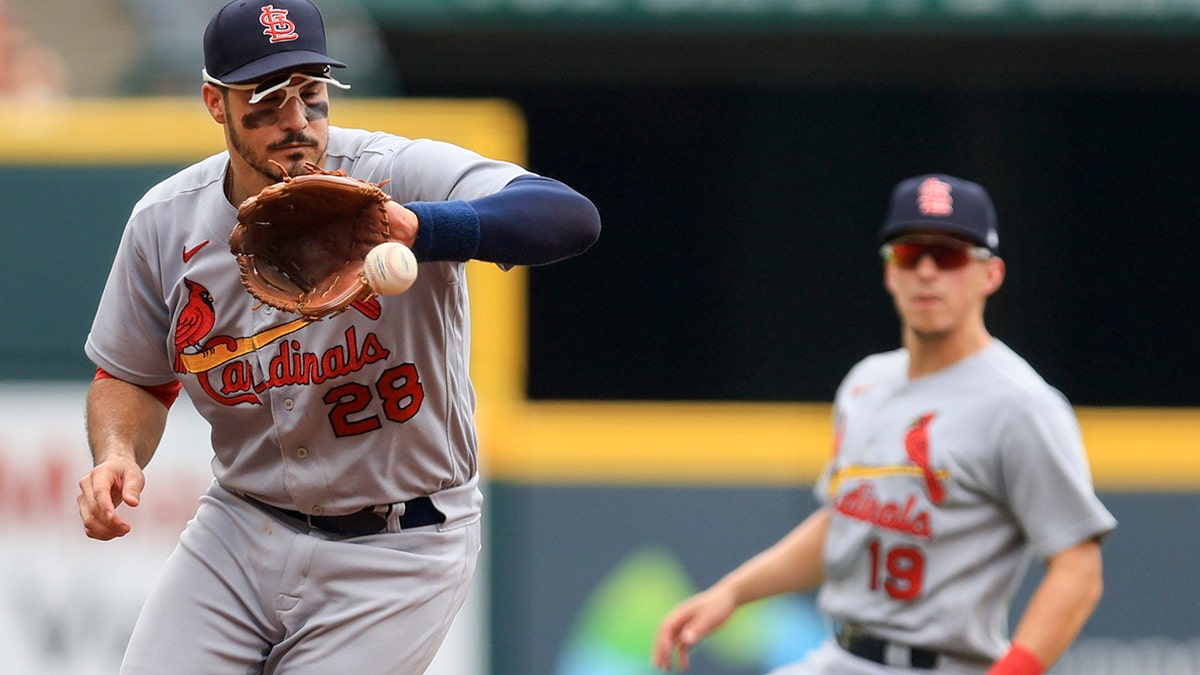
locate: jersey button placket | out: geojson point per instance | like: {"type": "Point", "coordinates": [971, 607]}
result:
{"type": "Point", "coordinates": [301, 453]}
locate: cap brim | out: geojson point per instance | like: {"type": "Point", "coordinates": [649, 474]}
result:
{"type": "Point", "coordinates": [894, 230]}
{"type": "Point", "coordinates": [277, 62]}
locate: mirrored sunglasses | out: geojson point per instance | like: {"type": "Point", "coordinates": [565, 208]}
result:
{"type": "Point", "coordinates": [907, 255]}
{"type": "Point", "coordinates": [281, 82]}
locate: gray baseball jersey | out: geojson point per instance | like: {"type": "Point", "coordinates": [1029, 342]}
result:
{"type": "Point", "coordinates": [372, 406]}
{"type": "Point", "coordinates": [942, 488]}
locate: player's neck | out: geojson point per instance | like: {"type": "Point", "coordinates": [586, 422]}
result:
{"type": "Point", "coordinates": [930, 352]}
{"type": "Point", "coordinates": [240, 185]}
{"type": "Point", "coordinates": [236, 189]}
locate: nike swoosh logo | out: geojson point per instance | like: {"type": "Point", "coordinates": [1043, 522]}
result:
{"type": "Point", "coordinates": [187, 255]}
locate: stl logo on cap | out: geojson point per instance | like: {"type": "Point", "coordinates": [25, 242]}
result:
{"type": "Point", "coordinates": [277, 25]}
{"type": "Point", "coordinates": [934, 199]}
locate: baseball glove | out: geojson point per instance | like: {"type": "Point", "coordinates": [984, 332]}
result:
{"type": "Point", "coordinates": [300, 243]}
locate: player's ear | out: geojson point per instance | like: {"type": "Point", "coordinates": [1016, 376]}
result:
{"type": "Point", "coordinates": [214, 101]}
{"type": "Point", "coordinates": [889, 278]}
{"type": "Point", "coordinates": [994, 269]}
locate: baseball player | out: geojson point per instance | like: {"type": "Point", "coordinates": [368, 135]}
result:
{"type": "Point", "coordinates": [954, 464]}
{"type": "Point", "coordinates": [342, 529]}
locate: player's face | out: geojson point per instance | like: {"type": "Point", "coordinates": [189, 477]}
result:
{"type": "Point", "coordinates": [945, 289]}
{"type": "Point", "coordinates": [289, 126]}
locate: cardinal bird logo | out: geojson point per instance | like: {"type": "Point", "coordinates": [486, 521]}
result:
{"type": "Point", "coordinates": [195, 321]}
{"type": "Point", "coordinates": [916, 444]}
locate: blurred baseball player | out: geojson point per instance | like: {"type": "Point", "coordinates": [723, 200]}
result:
{"type": "Point", "coordinates": [954, 464]}
{"type": "Point", "coordinates": [342, 529]}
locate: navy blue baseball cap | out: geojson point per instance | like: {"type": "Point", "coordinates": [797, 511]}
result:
{"type": "Point", "coordinates": [941, 203]}
{"type": "Point", "coordinates": [248, 40]}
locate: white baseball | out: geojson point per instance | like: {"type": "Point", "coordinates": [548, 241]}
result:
{"type": "Point", "coordinates": [390, 268]}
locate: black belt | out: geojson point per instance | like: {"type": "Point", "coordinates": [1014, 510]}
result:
{"type": "Point", "coordinates": [418, 512]}
{"type": "Point", "coordinates": [873, 648]}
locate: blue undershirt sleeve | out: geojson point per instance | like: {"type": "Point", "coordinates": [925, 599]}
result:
{"type": "Point", "coordinates": [531, 221]}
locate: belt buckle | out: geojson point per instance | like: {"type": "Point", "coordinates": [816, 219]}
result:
{"type": "Point", "coordinates": [849, 633]}
{"type": "Point", "coordinates": [865, 644]}
{"type": "Point", "coordinates": [357, 524]}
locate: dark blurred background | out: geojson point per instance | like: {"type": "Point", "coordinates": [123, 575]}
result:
{"type": "Point", "coordinates": [742, 171]}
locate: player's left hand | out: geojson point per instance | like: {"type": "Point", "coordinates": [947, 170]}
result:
{"type": "Point", "coordinates": [301, 243]}
{"type": "Point", "coordinates": [109, 484]}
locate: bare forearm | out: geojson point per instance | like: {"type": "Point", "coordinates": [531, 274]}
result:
{"type": "Point", "coordinates": [123, 420]}
{"type": "Point", "coordinates": [124, 425]}
{"type": "Point", "coordinates": [1062, 602]}
{"type": "Point", "coordinates": [794, 564]}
